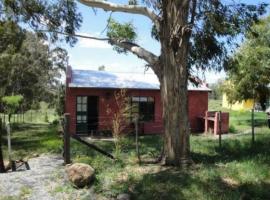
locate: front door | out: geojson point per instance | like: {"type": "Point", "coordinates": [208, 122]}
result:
{"type": "Point", "coordinates": [87, 114]}
{"type": "Point", "coordinates": [92, 113]}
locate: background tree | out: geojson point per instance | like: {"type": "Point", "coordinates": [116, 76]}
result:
{"type": "Point", "coordinates": [12, 104]}
{"type": "Point", "coordinates": [28, 65]}
{"type": "Point", "coordinates": [216, 88]}
{"type": "Point", "coordinates": [193, 34]}
{"type": "Point", "coordinates": [249, 68]}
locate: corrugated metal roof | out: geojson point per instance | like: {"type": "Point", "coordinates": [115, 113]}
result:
{"type": "Point", "coordinates": [103, 79]}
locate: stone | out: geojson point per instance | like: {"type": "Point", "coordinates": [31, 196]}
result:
{"type": "Point", "coordinates": [123, 197]}
{"type": "Point", "coordinates": [80, 174]}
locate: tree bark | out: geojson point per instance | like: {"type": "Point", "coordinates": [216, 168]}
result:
{"type": "Point", "coordinates": [171, 68]}
{"type": "Point", "coordinates": [174, 94]}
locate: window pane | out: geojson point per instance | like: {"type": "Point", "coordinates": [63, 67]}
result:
{"type": "Point", "coordinates": [84, 118]}
{"type": "Point", "coordinates": [79, 107]}
{"type": "Point", "coordinates": [135, 99]}
{"type": "Point", "coordinates": [143, 99]}
{"type": "Point", "coordinates": [79, 99]}
{"type": "Point", "coordinates": [84, 107]}
{"type": "Point", "coordinates": [79, 118]}
{"type": "Point", "coordinates": [84, 100]}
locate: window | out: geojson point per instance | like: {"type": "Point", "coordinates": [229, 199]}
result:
{"type": "Point", "coordinates": [144, 107]}
{"type": "Point", "coordinates": [81, 109]}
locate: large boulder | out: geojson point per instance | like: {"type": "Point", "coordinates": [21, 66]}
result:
{"type": "Point", "coordinates": [123, 196]}
{"type": "Point", "coordinates": [80, 174]}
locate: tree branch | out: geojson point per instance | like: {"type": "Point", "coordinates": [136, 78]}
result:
{"type": "Point", "coordinates": [149, 57]}
{"type": "Point", "coordinates": [134, 9]}
{"type": "Point", "coordinates": [142, 53]}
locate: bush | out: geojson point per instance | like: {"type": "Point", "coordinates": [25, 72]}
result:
{"type": "Point", "coordinates": [46, 118]}
{"type": "Point", "coordinates": [55, 122]}
{"type": "Point", "coordinates": [232, 129]}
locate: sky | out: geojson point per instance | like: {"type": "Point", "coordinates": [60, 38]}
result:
{"type": "Point", "coordinates": [90, 54]}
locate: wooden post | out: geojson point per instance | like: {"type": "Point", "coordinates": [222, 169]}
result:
{"type": "Point", "coordinates": [13, 166]}
{"type": "Point", "coordinates": [2, 166]}
{"type": "Point", "coordinates": [252, 125]}
{"type": "Point", "coordinates": [137, 139]}
{"type": "Point", "coordinates": [66, 139]}
{"type": "Point", "coordinates": [220, 129]}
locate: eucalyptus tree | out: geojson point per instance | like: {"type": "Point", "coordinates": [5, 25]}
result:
{"type": "Point", "coordinates": [192, 33]}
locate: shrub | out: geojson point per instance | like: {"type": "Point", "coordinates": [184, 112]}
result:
{"type": "Point", "coordinates": [232, 129]}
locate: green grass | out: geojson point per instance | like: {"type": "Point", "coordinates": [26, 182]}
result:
{"type": "Point", "coordinates": [236, 170]}
{"type": "Point", "coordinates": [30, 139]}
{"type": "Point", "coordinates": [239, 120]}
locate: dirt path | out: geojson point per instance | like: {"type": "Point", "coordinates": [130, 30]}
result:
{"type": "Point", "coordinates": [45, 180]}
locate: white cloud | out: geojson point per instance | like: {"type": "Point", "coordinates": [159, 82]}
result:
{"type": "Point", "coordinates": [91, 43]}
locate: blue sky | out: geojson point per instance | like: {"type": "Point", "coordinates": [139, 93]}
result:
{"type": "Point", "coordinates": [90, 54]}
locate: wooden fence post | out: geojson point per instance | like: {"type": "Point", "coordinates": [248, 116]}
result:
{"type": "Point", "coordinates": [252, 125]}
{"type": "Point", "coordinates": [137, 138]}
{"type": "Point", "coordinates": [13, 165]}
{"type": "Point", "coordinates": [66, 139]}
{"type": "Point", "coordinates": [220, 129]}
{"type": "Point", "coordinates": [2, 166]}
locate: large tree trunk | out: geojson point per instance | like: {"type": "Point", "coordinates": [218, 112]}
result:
{"type": "Point", "coordinates": [174, 94]}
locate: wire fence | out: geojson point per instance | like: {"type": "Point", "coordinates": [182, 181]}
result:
{"type": "Point", "coordinates": [31, 116]}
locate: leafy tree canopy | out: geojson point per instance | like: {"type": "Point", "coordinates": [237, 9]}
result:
{"type": "Point", "coordinates": [249, 69]}
{"type": "Point", "coordinates": [214, 24]}
{"type": "Point", "coordinates": [12, 103]}
{"type": "Point", "coordinates": [28, 66]}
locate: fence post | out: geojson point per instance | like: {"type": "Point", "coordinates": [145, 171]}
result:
{"type": "Point", "coordinates": [136, 121]}
{"type": "Point", "coordinates": [2, 166]}
{"type": "Point", "coordinates": [220, 129]}
{"type": "Point", "coordinates": [66, 139]}
{"type": "Point", "coordinates": [13, 165]}
{"type": "Point", "coordinates": [252, 125]}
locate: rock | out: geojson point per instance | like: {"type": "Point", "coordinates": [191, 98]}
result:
{"type": "Point", "coordinates": [35, 155]}
{"type": "Point", "coordinates": [123, 197]}
{"type": "Point", "coordinates": [80, 174]}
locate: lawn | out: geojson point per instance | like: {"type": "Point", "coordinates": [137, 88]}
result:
{"type": "Point", "coordinates": [236, 170]}
{"type": "Point", "coordinates": [29, 140]}
{"type": "Point", "coordinates": [240, 120]}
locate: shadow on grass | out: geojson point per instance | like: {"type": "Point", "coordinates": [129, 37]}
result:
{"type": "Point", "coordinates": [173, 184]}
{"type": "Point", "coordinates": [235, 150]}
{"type": "Point", "coordinates": [28, 139]}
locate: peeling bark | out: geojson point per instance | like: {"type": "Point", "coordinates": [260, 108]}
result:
{"type": "Point", "coordinates": [134, 9]}
{"type": "Point", "coordinates": [170, 67]}
{"type": "Point", "coordinates": [174, 82]}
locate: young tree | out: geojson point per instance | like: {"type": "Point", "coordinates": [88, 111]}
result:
{"type": "Point", "coordinates": [12, 104]}
{"type": "Point", "coordinates": [249, 68]}
{"type": "Point", "coordinates": [192, 34]}
{"type": "Point", "coordinates": [119, 117]}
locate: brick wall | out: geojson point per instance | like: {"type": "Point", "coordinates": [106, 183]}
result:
{"type": "Point", "coordinates": [198, 105]}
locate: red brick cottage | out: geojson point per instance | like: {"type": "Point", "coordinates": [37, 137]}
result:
{"type": "Point", "coordinates": [89, 93]}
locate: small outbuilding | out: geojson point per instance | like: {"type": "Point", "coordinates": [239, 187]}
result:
{"type": "Point", "coordinates": [90, 93]}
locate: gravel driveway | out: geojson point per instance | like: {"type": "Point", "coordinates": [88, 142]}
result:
{"type": "Point", "coordinates": [45, 180]}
